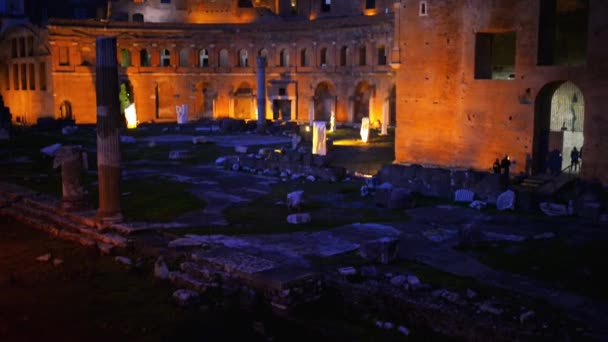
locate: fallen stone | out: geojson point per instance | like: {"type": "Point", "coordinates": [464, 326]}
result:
{"type": "Point", "coordinates": [506, 201]}
{"type": "Point", "coordinates": [383, 250]}
{"type": "Point", "coordinates": [125, 139]}
{"type": "Point", "coordinates": [160, 268]}
{"type": "Point", "coordinates": [405, 331]}
{"type": "Point", "coordinates": [184, 243]}
{"type": "Point", "coordinates": [401, 198]}
{"type": "Point", "coordinates": [123, 260]}
{"type": "Point", "coordinates": [379, 324]}
{"type": "Point", "coordinates": [235, 167]}
{"type": "Point", "coordinates": [553, 209]}
{"type": "Point", "coordinates": [385, 185]}
{"type": "Point", "coordinates": [44, 258]}
{"type": "Point", "coordinates": [398, 280]}
{"type": "Point", "coordinates": [186, 298]}
{"type": "Point", "coordinates": [464, 195]}
{"type": "Point", "coordinates": [524, 316]}
{"type": "Point", "coordinates": [347, 271]}
{"type": "Point", "coordinates": [220, 160]}
{"type": "Point", "coordinates": [310, 178]}
{"type": "Point", "coordinates": [241, 149]}
{"type": "Point", "coordinates": [299, 218]}
{"type": "Point", "coordinates": [294, 199]}
{"type": "Point", "coordinates": [413, 280]}
{"type": "Point", "coordinates": [478, 205]}
{"type": "Point", "coordinates": [388, 325]}
{"type": "Point", "coordinates": [50, 150]}
{"type": "Point", "coordinates": [503, 237]}
{"type": "Point", "coordinates": [490, 308]}
{"type": "Point", "coordinates": [57, 262]}
{"type": "Point", "coordinates": [364, 190]}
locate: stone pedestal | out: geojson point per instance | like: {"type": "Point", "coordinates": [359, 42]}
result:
{"type": "Point", "coordinates": [261, 78]}
{"type": "Point", "coordinates": [70, 158]}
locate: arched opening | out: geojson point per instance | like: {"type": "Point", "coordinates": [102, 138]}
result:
{"type": "Point", "coordinates": [65, 110]}
{"type": "Point", "coordinates": [145, 58]}
{"type": "Point", "coordinates": [203, 103]}
{"type": "Point", "coordinates": [203, 58]}
{"type": "Point", "coordinates": [344, 56]}
{"type": "Point", "coordinates": [323, 58]}
{"type": "Point", "coordinates": [558, 126]}
{"type": "Point", "coordinates": [125, 96]}
{"type": "Point", "coordinates": [137, 18]}
{"type": "Point", "coordinates": [244, 102]}
{"type": "Point", "coordinates": [243, 58]}
{"type": "Point", "coordinates": [223, 58]}
{"type": "Point", "coordinates": [125, 58]}
{"type": "Point", "coordinates": [304, 57]}
{"type": "Point", "coordinates": [324, 101]}
{"type": "Point", "coordinates": [165, 58]}
{"type": "Point", "coordinates": [361, 100]}
{"type": "Point", "coordinates": [284, 58]}
{"type": "Point", "coordinates": [184, 58]}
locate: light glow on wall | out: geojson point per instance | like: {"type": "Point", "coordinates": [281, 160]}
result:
{"type": "Point", "coordinates": [131, 116]}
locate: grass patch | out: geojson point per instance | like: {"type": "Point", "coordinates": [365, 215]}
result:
{"type": "Point", "coordinates": [578, 268]}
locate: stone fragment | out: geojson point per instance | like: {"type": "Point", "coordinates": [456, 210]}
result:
{"type": "Point", "coordinates": [44, 258]}
{"type": "Point", "coordinates": [464, 195]}
{"type": "Point", "coordinates": [364, 190]}
{"type": "Point", "coordinates": [553, 209]}
{"type": "Point", "coordinates": [160, 268]}
{"type": "Point", "coordinates": [186, 298]}
{"type": "Point", "coordinates": [235, 167]}
{"type": "Point", "coordinates": [405, 331]}
{"type": "Point", "coordinates": [241, 149]}
{"type": "Point", "coordinates": [398, 280]}
{"type": "Point", "coordinates": [123, 260]}
{"type": "Point", "coordinates": [299, 218]}
{"type": "Point", "coordinates": [220, 160]}
{"type": "Point", "coordinates": [57, 262]}
{"type": "Point", "coordinates": [478, 205]}
{"type": "Point", "coordinates": [50, 150]}
{"type": "Point", "coordinates": [294, 199]}
{"type": "Point", "coordinates": [388, 325]}
{"type": "Point", "coordinates": [347, 271]}
{"type": "Point", "coordinates": [525, 316]}
{"type": "Point", "coordinates": [506, 201]}
{"type": "Point", "coordinates": [490, 308]}
{"type": "Point", "coordinates": [383, 250]}
{"type": "Point", "coordinates": [310, 178]}
{"type": "Point", "coordinates": [413, 280]}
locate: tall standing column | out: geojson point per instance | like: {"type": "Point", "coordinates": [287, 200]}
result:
{"type": "Point", "coordinates": [261, 62]}
{"type": "Point", "coordinates": [108, 124]}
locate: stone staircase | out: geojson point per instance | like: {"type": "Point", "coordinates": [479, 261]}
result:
{"type": "Point", "coordinates": [249, 276]}
{"type": "Point", "coordinates": [44, 213]}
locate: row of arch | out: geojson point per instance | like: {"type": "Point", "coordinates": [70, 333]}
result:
{"type": "Point", "coordinates": [345, 56]}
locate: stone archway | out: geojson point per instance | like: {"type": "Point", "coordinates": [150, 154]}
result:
{"type": "Point", "coordinates": [361, 101]}
{"type": "Point", "coordinates": [558, 124]}
{"type": "Point", "coordinates": [324, 100]}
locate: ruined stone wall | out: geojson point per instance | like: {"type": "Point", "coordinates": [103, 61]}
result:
{"type": "Point", "coordinates": [224, 90]}
{"type": "Point", "coordinates": [447, 116]}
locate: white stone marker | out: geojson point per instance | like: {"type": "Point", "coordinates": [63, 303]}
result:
{"type": "Point", "coordinates": [182, 114]}
{"type": "Point", "coordinates": [365, 129]}
{"type": "Point", "coordinates": [318, 138]}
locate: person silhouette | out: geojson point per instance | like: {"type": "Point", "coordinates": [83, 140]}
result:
{"type": "Point", "coordinates": [574, 159]}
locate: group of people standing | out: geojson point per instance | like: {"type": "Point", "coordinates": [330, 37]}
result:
{"type": "Point", "coordinates": [503, 166]}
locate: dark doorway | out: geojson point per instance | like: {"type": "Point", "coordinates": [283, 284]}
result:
{"type": "Point", "coordinates": [281, 110]}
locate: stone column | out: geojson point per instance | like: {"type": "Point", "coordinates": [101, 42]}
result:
{"type": "Point", "coordinates": [311, 111]}
{"type": "Point", "coordinates": [70, 158]}
{"type": "Point", "coordinates": [261, 62]}
{"type": "Point", "coordinates": [108, 124]}
{"type": "Point", "coordinates": [385, 117]}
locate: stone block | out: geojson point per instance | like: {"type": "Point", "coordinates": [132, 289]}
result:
{"type": "Point", "coordinates": [401, 198]}
{"type": "Point", "coordinates": [299, 218]}
{"type": "Point", "coordinates": [383, 250]}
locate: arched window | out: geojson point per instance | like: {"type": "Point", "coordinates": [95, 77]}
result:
{"type": "Point", "coordinates": [362, 55]}
{"type": "Point", "coordinates": [243, 58]}
{"type": "Point", "coordinates": [145, 58]}
{"type": "Point", "coordinates": [223, 60]}
{"type": "Point", "coordinates": [304, 57]}
{"type": "Point", "coordinates": [165, 58]}
{"type": "Point", "coordinates": [323, 57]}
{"type": "Point", "coordinates": [284, 58]}
{"type": "Point", "coordinates": [137, 18]}
{"type": "Point", "coordinates": [381, 55]}
{"type": "Point", "coordinates": [203, 58]}
{"type": "Point", "coordinates": [125, 58]}
{"type": "Point", "coordinates": [344, 56]}
{"type": "Point", "coordinates": [184, 58]}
